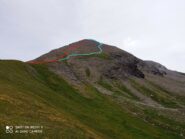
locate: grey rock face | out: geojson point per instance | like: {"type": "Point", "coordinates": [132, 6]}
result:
{"type": "Point", "coordinates": [120, 65]}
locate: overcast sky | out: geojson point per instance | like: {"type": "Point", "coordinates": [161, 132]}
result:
{"type": "Point", "coordinates": [149, 29]}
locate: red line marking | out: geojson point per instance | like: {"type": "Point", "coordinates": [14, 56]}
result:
{"type": "Point", "coordinates": [73, 47]}
{"type": "Point", "coordinates": [62, 56]}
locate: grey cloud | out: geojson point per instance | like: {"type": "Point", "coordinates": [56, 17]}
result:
{"type": "Point", "coordinates": [149, 29]}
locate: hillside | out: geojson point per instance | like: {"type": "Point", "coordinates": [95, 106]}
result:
{"type": "Point", "coordinates": [110, 95]}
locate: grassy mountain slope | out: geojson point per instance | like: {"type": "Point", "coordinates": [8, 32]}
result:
{"type": "Point", "coordinates": [33, 95]}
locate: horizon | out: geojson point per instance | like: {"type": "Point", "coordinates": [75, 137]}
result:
{"type": "Point", "coordinates": [150, 30]}
{"type": "Point", "coordinates": [90, 40]}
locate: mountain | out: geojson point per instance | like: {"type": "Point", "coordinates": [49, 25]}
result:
{"type": "Point", "coordinates": [92, 90]}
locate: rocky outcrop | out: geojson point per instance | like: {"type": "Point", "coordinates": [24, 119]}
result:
{"type": "Point", "coordinates": [118, 64]}
{"type": "Point", "coordinates": [124, 65]}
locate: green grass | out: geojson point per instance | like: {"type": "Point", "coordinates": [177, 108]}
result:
{"type": "Point", "coordinates": [156, 95]}
{"type": "Point", "coordinates": [102, 56]}
{"type": "Point", "coordinates": [128, 91]}
{"type": "Point", "coordinates": [180, 99]}
{"type": "Point", "coordinates": [33, 95]}
{"type": "Point", "coordinates": [119, 90]}
{"type": "Point", "coordinates": [162, 121]}
{"type": "Point", "coordinates": [105, 84]}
